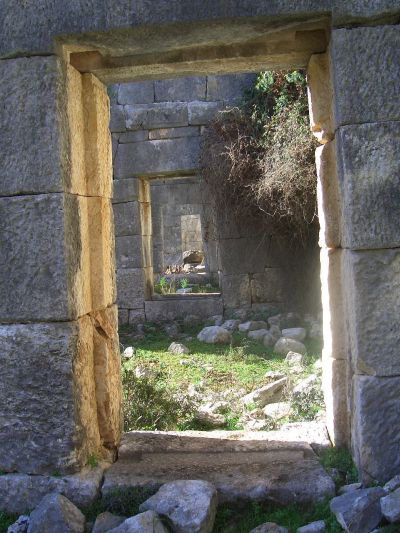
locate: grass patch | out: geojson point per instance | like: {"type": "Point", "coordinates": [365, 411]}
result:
{"type": "Point", "coordinates": [233, 520]}
{"type": "Point", "coordinates": [6, 520]}
{"type": "Point", "coordinates": [156, 383]}
{"type": "Point", "coordinates": [342, 461]}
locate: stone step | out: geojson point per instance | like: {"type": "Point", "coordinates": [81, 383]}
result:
{"type": "Point", "coordinates": [242, 465]}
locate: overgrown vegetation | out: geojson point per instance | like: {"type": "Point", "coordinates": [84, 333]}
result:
{"type": "Point", "coordinates": [169, 284]}
{"type": "Point", "coordinates": [160, 387]}
{"type": "Point", "coordinates": [258, 159]}
{"type": "Point", "coordinates": [5, 521]}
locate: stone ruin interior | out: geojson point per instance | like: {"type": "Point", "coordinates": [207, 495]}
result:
{"type": "Point", "coordinates": [66, 283]}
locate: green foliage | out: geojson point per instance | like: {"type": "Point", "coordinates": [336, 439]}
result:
{"type": "Point", "coordinates": [234, 520]}
{"type": "Point", "coordinates": [308, 404]}
{"type": "Point", "coordinates": [93, 460]}
{"type": "Point", "coordinates": [341, 460]}
{"type": "Point", "coordinates": [6, 520]}
{"type": "Point", "coordinates": [258, 160]}
{"type": "Point", "coordinates": [150, 404]}
{"type": "Point", "coordinates": [184, 283]}
{"type": "Point", "coordinates": [165, 286]}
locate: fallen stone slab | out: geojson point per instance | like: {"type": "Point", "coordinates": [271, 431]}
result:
{"type": "Point", "coordinates": [258, 334]}
{"type": "Point", "coordinates": [190, 505]}
{"type": "Point", "coordinates": [314, 527]}
{"type": "Point", "coordinates": [215, 335]}
{"type": "Point", "coordinates": [20, 493]}
{"type": "Point", "coordinates": [284, 345]}
{"type": "Point", "coordinates": [313, 432]}
{"type": "Point", "coordinates": [358, 511]}
{"type": "Point", "coordinates": [106, 521]}
{"type": "Point", "coordinates": [262, 466]}
{"type": "Point", "coordinates": [298, 334]}
{"type": "Point", "coordinates": [294, 358]}
{"type": "Point", "coordinates": [56, 513]}
{"type": "Point", "coordinates": [178, 348]}
{"type": "Point", "coordinates": [349, 488]}
{"type": "Point", "coordinates": [305, 386]}
{"type": "Point", "coordinates": [265, 394]}
{"type": "Point", "coordinates": [278, 410]}
{"type": "Point", "coordinates": [147, 522]}
{"type": "Point", "coordinates": [390, 506]}
{"type": "Point", "coordinates": [392, 484]}
{"type": "Point", "coordinates": [270, 527]}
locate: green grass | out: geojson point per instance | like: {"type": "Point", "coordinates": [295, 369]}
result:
{"type": "Point", "coordinates": [159, 398]}
{"type": "Point", "coordinates": [341, 460]}
{"type": "Point", "coordinates": [234, 520]}
{"type": "Point", "coordinates": [6, 520]}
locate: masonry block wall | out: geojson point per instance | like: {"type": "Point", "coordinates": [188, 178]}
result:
{"type": "Point", "coordinates": [156, 130]}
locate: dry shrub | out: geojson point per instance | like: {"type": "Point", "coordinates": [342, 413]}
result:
{"type": "Point", "coordinates": [259, 160]}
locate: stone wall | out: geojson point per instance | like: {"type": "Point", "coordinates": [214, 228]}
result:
{"type": "Point", "coordinates": [156, 131]}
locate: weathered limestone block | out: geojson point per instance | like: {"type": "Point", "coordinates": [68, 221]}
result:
{"type": "Point", "coordinates": [44, 258]}
{"type": "Point", "coordinates": [56, 513]}
{"type": "Point", "coordinates": [102, 252]}
{"type": "Point", "coordinates": [173, 133]}
{"type": "Point", "coordinates": [133, 136]}
{"type": "Point", "coordinates": [154, 157]}
{"type": "Point", "coordinates": [334, 321]}
{"type": "Point", "coordinates": [244, 255]}
{"type": "Point", "coordinates": [88, 140]}
{"type": "Point", "coordinates": [336, 388]}
{"type": "Point", "coordinates": [329, 208]}
{"type": "Point", "coordinates": [107, 373]}
{"type": "Point", "coordinates": [372, 298]}
{"type": "Point", "coordinates": [137, 315]}
{"type": "Point", "coordinates": [32, 155]}
{"type": "Point", "coordinates": [236, 290]}
{"type": "Point", "coordinates": [131, 287]}
{"type": "Point", "coordinates": [369, 174]}
{"type": "Point", "coordinates": [320, 97]}
{"type": "Point", "coordinates": [48, 406]}
{"type": "Point", "coordinates": [150, 116]}
{"type": "Point", "coordinates": [129, 251]}
{"type": "Point", "coordinates": [21, 493]}
{"type": "Point", "coordinates": [267, 286]}
{"type": "Point", "coordinates": [172, 309]}
{"type": "Point", "coordinates": [365, 67]}
{"type": "Point", "coordinates": [127, 218]}
{"type": "Point", "coordinates": [141, 92]}
{"type": "Point", "coordinates": [126, 190]}
{"type": "Point", "coordinates": [117, 118]}
{"type": "Point", "coordinates": [229, 87]}
{"type": "Point", "coordinates": [203, 112]}
{"type": "Point", "coordinates": [180, 89]}
{"type": "Point", "coordinates": [375, 427]}
{"type": "Point", "coordinates": [358, 510]}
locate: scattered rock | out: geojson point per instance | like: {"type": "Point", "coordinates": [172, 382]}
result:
{"type": "Point", "coordinates": [305, 386]}
{"type": "Point", "coordinates": [258, 334]}
{"type": "Point", "coordinates": [277, 410]}
{"type": "Point", "coordinates": [56, 513]}
{"type": "Point", "coordinates": [172, 330]}
{"type": "Point", "coordinates": [253, 424]}
{"type": "Point", "coordinates": [294, 358]}
{"type": "Point", "coordinates": [393, 484]}
{"type": "Point", "coordinates": [390, 506]}
{"type": "Point", "coordinates": [315, 331]}
{"type": "Point", "coordinates": [275, 332]}
{"type": "Point", "coordinates": [209, 418]}
{"type": "Point", "coordinates": [313, 527]}
{"type": "Point", "coordinates": [186, 290]}
{"type": "Point", "coordinates": [284, 345]}
{"type": "Point", "coordinates": [215, 320]}
{"type": "Point", "coordinates": [265, 394]}
{"type": "Point", "coordinates": [142, 371]}
{"type": "Point", "coordinates": [358, 511]}
{"type": "Point", "coordinates": [269, 340]}
{"type": "Point", "coordinates": [129, 352]}
{"type": "Point", "coordinates": [252, 325]}
{"type": "Point", "coordinates": [270, 527]}
{"type": "Point", "coordinates": [178, 348]}
{"type": "Point", "coordinates": [106, 521]}
{"type": "Point", "coordinates": [20, 526]}
{"type": "Point", "coordinates": [274, 374]}
{"type": "Point", "coordinates": [147, 522]}
{"type": "Point", "coordinates": [192, 256]}
{"type": "Point", "coordinates": [298, 334]}
{"type": "Point", "coordinates": [349, 488]}
{"type": "Point", "coordinates": [275, 320]}
{"type": "Point", "coordinates": [190, 505]}
{"type": "Point", "coordinates": [231, 325]}
{"type": "Point", "coordinates": [215, 335]}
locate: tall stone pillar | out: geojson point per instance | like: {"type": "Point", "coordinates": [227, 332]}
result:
{"type": "Point", "coordinates": [361, 210]}
{"type": "Point", "coordinates": [60, 394]}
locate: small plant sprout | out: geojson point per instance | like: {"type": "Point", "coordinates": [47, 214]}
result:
{"type": "Point", "coordinates": [184, 283]}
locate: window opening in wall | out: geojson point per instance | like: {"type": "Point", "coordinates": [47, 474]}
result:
{"type": "Point", "coordinates": [184, 256]}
